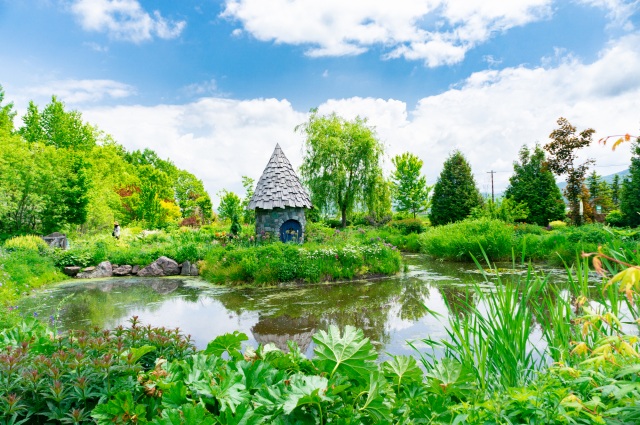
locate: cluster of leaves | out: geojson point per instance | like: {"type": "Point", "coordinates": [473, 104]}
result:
{"type": "Point", "coordinates": [49, 378]}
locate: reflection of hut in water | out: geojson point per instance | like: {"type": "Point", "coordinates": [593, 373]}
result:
{"type": "Point", "coordinates": [279, 330]}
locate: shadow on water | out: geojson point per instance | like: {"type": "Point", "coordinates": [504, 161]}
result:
{"type": "Point", "coordinates": [389, 310]}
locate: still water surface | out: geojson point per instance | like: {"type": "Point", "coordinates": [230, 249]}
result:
{"type": "Point", "coordinates": [389, 310]}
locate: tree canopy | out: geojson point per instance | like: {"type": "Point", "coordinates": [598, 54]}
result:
{"type": "Point", "coordinates": [341, 162]}
{"type": "Point", "coordinates": [630, 196]}
{"type": "Point", "coordinates": [410, 189]}
{"type": "Point", "coordinates": [455, 194]}
{"type": "Point", "coordinates": [535, 186]}
{"type": "Point", "coordinates": [562, 158]}
{"type": "Point", "coordinates": [60, 173]}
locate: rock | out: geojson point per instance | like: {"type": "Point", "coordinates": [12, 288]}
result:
{"type": "Point", "coordinates": [135, 269]}
{"type": "Point", "coordinates": [169, 267]}
{"type": "Point", "coordinates": [71, 270]}
{"type": "Point", "coordinates": [122, 270]}
{"type": "Point", "coordinates": [103, 269]}
{"type": "Point", "coordinates": [194, 270]}
{"type": "Point", "coordinates": [185, 268]}
{"type": "Point", "coordinates": [152, 269]}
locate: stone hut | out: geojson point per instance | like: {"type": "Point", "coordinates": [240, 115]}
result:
{"type": "Point", "coordinates": [280, 200]}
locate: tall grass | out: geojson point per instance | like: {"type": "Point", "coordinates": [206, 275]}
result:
{"type": "Point", "coordinates": [464, 240]}
{"type": "Point", "coordinates": [492, 339]}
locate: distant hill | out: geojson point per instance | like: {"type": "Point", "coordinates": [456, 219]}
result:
{"type": "Point", "coordinates": [607, 178]}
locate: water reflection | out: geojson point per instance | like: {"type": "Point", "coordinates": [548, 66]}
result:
{"type": "Point", "coordinates": [390, 311]}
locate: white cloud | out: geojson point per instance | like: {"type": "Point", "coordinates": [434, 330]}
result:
{"type": "Point", "coordinates": [436, 31]}
{"type": "Point", "coordinates": [619, 11]}
{"type": "Point", "coordinates": [79, 91]}
{"type": "Point", "coordinates": [209, 87]}
{"type": "Point", "coordinates": [124, 20]}
{"type": "Point", "coordinates": [488, 117]}
{"type": "Point", "coordinates": [218, 140]}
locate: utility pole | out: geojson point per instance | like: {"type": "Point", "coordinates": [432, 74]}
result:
{"type": "Point", "coordinates": [492, 196]}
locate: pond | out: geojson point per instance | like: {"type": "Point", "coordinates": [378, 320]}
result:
{"type": "Point", "coordinates": [389, 310]}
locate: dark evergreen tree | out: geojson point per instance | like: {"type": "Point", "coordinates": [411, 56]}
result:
{"type": "Point", "coordinates": [455, 193]}
{"type": "Point", "coordinates": [615, 191]}
{"type": "Point", "coordinates": [533, 184]}
{"type": "Point", "coordinates": [630, 196]}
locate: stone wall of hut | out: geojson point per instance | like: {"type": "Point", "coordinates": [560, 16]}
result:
{"type": "Point", "coordinates": [271, 220]}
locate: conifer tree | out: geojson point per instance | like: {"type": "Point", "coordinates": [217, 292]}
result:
{"type": "Point", "coordinates": [455, 193]}
{"type": "Point", "coordinates": [630, 196]}
{"type": "Point", "coordinates": [534, 185]}
{"type": "Point", "coordinates": [615, 191]}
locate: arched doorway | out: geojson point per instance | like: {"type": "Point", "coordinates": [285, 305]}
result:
{"type": "Point", "coordinates": [291, 230]}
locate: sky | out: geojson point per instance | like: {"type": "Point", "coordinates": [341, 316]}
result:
{"type": "Point", "coordinates": [214, 85]}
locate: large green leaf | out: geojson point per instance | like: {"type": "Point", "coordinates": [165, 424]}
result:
{"type": "Point", "coordinates": [306, 390]}
{"type": "Point", "coordinates": [258, 374]}
{"type": "Point", "coordinates": [226, 387]}
{"type": "Point", "coordinates": [448, 376]}
{"type": "Point", "coordinates": [402, 369]}
{"type": "Point", "coordinates": [231, 343]}
{"type": "Point", "coordinates": [244, 415]}
{"type": "Point", "coordinates": [376, 405]}
{"type": "Point", "coordinates": [186, 414]}
{"type": "Point", "coordinates": [351, 353]}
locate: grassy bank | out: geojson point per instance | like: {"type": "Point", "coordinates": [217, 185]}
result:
{"type": "Point", "coordinates": [501, 241]}
{"type": "Point", "coordinates": [488, 369]}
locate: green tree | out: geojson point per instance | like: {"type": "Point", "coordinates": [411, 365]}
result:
{"type": "Point", "coordinates": [230, 206]}
{"type": "Point", "coordinates": [341, 162]}
{"type": "Point", "coordinates": [379, 205]}
{"type": "Point", "coordinates": [455, 193]}
{"type": "Point", "coordinates": [599, 193]}
{"type": "Point", "coordinates": [534, 185]}
{"type": "Point", "coordinates": [615, 191]}
{"type": "Point", "coordinates": [629, 198]}
{"type": "Point", "coordinates": [562, 161]}
{"type": "Point", "coordinates": [410, 189]}
{"type": "Point", "coordinates": [6, 115]}
{"type": "Point", "coordinates": [55, 126]}
{"type": "Point", "coordinates": [248, 216]}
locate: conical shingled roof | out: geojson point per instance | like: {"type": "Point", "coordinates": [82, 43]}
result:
{"type": "Point", "coordinates": [279, 186]}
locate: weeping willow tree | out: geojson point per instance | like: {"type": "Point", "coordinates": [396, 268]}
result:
{"type": "Point", "coordinates": [341, 165]}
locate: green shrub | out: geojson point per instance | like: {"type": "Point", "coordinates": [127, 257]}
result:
{"type": "Point", "coordinates": [529, 229]}
{"type": "Point", "coordinates": [24, 270]}
{"type": "Point", "coordinates": [408, 225]}
{"type": "Point", "coordinates": [469, 238]}
{"type": "Point", "coordinates": [280, 262]}
{"type": "Point", "coordinates": [557, 224]}
{"type": "Point", "coordinates": [615, 218]}
{"type": "Point", "coordinates": [27, 242]}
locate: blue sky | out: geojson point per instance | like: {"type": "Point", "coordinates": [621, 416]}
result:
{"type": "Point", "coordinates": [214, 85]}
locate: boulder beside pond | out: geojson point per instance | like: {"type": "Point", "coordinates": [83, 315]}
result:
{"type": "Point", "coordinates": [163, 266]}
{"type": "Point", "coordinates": [71, 271]}
{"type": "Point", "coordinates": [103, 269]}
{"type": "Point", "coordinates": [122, 270]}
{"type": "Point", "coordinates": [188, 269]}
